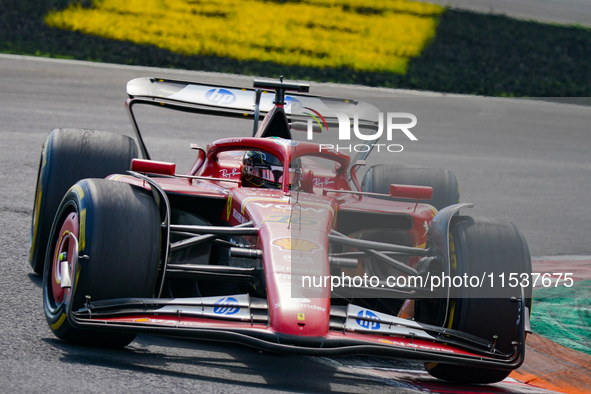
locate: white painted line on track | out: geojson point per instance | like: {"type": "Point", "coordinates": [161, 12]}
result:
{"type": "Point", "coordinates": [562, 258]}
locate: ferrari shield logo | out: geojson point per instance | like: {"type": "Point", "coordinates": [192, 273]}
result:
{"type": "Point", "coordinates": [228, 207]}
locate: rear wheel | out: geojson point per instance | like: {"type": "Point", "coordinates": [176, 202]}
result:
{"type": "Point", "coordinates": [69, 155]}
{"type": "Point", "coordinates": [482, 247]}
{"type": "Point", "coordinates": [378, 180]}
{"type": "Point", "coordinates": [118, 227]}
{"type": "Point", "coordinates": [444, 183]}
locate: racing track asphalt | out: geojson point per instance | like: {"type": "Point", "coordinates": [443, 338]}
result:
{"type": "Point", "coordinates": [526, 161]}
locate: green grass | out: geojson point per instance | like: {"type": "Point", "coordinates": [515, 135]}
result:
{"type": "Point", "coordinates": [559, 315]}
{"type": "Point", "coordinates": [472, 53]}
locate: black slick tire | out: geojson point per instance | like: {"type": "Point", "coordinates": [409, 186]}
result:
{"type": "Point", "coordinates": [68, 156]}
{"type": "Point", "coordinates": [115, 227]}
{"type": "Point", "coordinates": [444, 183]}
{"type": "Point", "coordinates": [484, 247]}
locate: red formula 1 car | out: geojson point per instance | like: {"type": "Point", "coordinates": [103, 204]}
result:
{"type": "Point", "coordinates": [273, 242]}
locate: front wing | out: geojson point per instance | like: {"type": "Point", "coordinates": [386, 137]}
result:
{"type": "Point", "coordinates": [242, 319]}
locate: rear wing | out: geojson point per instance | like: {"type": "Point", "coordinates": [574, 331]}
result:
{"type": "Point", "coordinates": [227, 100]}
{"type": "Point", "coordinates": [305, 112]}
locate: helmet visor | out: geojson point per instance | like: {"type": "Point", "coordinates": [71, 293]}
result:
{"type": "Point", "coordinates": [272, 173]}
{"type": "Point", "coordinates": [267, 172]}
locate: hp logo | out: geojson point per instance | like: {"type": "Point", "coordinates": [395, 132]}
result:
{"type": "Point", "coordinates": [220, 96]}
{"type": "Point", "coordinates": [226, 306]}
{"type": "Point", "coordinates": [372, 325]}
{"type": "Point", "coordinates": [292, 105]}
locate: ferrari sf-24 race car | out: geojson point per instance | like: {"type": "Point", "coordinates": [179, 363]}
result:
{"type": "Point", "coordinates": [272, 242]}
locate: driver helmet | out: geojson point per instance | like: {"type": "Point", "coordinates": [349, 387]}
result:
{"type": "Point", "coordinates": [262, 169]}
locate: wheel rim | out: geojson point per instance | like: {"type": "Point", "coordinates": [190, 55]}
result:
{"type": "Point", "coordinates": [65, 250]}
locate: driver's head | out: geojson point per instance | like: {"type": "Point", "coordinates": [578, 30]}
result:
{"type": "Point", "coordinates": [262, 169]}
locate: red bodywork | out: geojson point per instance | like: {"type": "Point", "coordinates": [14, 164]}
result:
{"type": "Point", "coordinates": [272, 212]}
{"type": "Point", "coordinates": [291, 232]}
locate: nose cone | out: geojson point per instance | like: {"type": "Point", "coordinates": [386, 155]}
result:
{"type": "Point", "coordinates": [293, 238]}
{"type": "Point", "coordinates": [299, 303]}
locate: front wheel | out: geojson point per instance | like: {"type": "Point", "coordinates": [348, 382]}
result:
{"type": "Point", "coordinates": [485, 248]}
{"type": "Point", "coordinates": [109, 233]}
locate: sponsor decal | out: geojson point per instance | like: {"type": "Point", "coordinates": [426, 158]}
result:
{"type": "Point", "coordinates": [297, 220]}
{"type": "Point", "coordinates": [284, 142]}
{"type": "Point", "coordinates": [288, 208]}
{"type": "Point", "coordinates": [292, 104]}
{"type": "Point", "coordinates": [227, 141]}
{"type": "Point", "coordinates": [414, 345]}
{"type": "Point", "coordinates": [277, 219]}
{"type": "Point", "coordinates": [296, 244]}
{"type": "Point", "coordinates": [174, 323]}
{"type": "Point", "coordinates": [225, 173]}
{"type": "Point", "coordinates": [284, 277]}
{"type": "Point", "coordinates": [220, 96]}
{"type": "Point", "coordinates": [239, 218]}
{"type": "Point", "coordinates": [313, 307]}
{"type": "Point", "coordinates": [297, 271]}
{"type": "Point", "coordinates": [296, 258]}
{"type": "Point", "coordinates": [226, 306]}
{"type": "Point", "coordinates": [258, 196]}
{"type": "Point", "coordinates": [371, 325]}
{"type": "Point", "coordinates": [322, 182]}
{"type": "Point", "coordinates": [302, 271]}
{"type": "Point", "coordinates": [301, 316]}
{"type": "Point", "coordinates": [280, 269]}
{"type": "Point", "coordinates": [284, 207]}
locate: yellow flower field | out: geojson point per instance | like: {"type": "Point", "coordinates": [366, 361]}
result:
{"type": "Point", "coordinates": [369, 35]}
